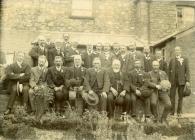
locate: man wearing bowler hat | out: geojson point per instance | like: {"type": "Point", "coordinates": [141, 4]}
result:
{"type": "Point", "coordinates": [56, 80]}
{"type": "Point", "coordinates": [97, 80]}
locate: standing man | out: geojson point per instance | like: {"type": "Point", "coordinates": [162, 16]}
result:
{"type": "Point", "coordinates": [148, 59]}
{"type": "Point", "coordinates": [118, 88]}
{"type": "Point", "coordinates": [97, 80]}
{"type": "Point", "coordinates": [138, 80]}
{"type": "Point", "coordinates": [98, 49]}
{"type": "Point", "coordinates": [162, 62]}
{"type": "Point", "coordinates": [156, 77]}
{"type": "Point", "coordinates": [179, 76]}
{"type": "Point", "coordinates": [38, 49]}
{"type": "Point", "coordinates": [88, 56]}
{"type": "Point", "coordinates": [75, 81]}
{"type": "Point", "coordinates": [18, 75]}
{"type": "Point", "coordinates": [37, 80]}
{"type": "Point", "coordinates": [69, 54]}
{"type": "Point", "coordinates": [56, 80]}
{"type": "Point", "coordinates": [106, 56]}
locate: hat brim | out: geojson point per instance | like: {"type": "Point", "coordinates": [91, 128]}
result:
{"type": "Point", "coordinates": [91, 99]}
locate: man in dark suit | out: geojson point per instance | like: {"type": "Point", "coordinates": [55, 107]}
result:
{"type": "Point", "coordinates": [69, 54]}
{"type": "Point", "coordinates": [75, 81]}
{"type": "Point", "coordinates": [162, 62]}
{"type": "Point", "coordinates": [148, 59]}
{"type": "Point", "coordinates": [18, 75]}
{"type": "Point", "coordinates": [118, 88]}
{"type": "Point", "coordinates": [106, 56]}
{"type": "Point", "coordinates": [88, 57]}
{"type": "Point", "coordinates": [97, 80]}
{"type": "Point", "coordinates": [37, 80]}
{"type": "Point", "coordinates": [138, 78]}
{"type": "Point", "coordinates": [179, 76]}
{"type": "Point", "coordinates": [98, 49]}
{"type": "Point", "coordinates": [56, 51]}
{"type": "Point", "coordinates": [56, 80]}
{"type": "Point", "coordinates": [156, 76]}
{"type": "Point", "coordinates": [131, 57]}
{"type": "Point", "coordinates": [38, 49]}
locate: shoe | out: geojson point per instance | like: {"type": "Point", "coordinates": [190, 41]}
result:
{"type": "Point", "coordinates": [8, 111]}
{"type": "Point", "coordinates": [179, 115]}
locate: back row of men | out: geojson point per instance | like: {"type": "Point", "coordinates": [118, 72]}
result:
{"type": "Point", "coordinates": [109, 75]}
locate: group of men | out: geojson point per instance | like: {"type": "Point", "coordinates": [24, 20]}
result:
{"type": "Point", "coordinates": [101, 78]}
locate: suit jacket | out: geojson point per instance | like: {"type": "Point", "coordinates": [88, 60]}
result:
{"type": "Point", "coordinates": [106, 63]}
{"type": "Point", "coordinates": [133, 77]}
{"type": "Point", "coordinates": [153, 81]}
{"type": "Point", "coordinates": [123, 81]}
{"type": "Point", "coordinates": [77, 74]}
{"type": "Point", "coordinates": [36, 73]}
{"type": "Point", "coordinates": [183, 72]}
{"type": "Point", "coordinates": [51, 56]}
{"type": "Point", "coordinates": [56, 78]}
{"type": "Point", "coordinates": [88, 59]}
{"type": "Point", "coordinates": [101, 77]}
{"type": "Point", "coordinates": [13, 72]}
{"type": "Point", "coordinates": [129, 61]}
{"type": "Point", "coordinates": [163, 66]}
{"type": "Point", "coordinates": [35, 52]}
{"type": "Point", "coordinates": [69, 60]}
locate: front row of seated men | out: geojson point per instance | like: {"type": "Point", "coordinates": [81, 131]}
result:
{"type": "Point", "coordinates": [108, 86]}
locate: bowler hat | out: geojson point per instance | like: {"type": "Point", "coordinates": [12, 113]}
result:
{"type": "Point", "coordinates": [186, 91]}
{"type": "Point", "coordinates": [91, 99]}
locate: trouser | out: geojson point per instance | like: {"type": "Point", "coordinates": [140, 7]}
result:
{"type": "Point", "coordinates": [59, 99]}
{"type": "Point", "coordinates": [165, 99]}
{"type": "Point", "coordinates": [180, 98]}
{"type": "Point", "coordinates": [13, 94]}
{"type": "Point", "coordinates": [146, 105]}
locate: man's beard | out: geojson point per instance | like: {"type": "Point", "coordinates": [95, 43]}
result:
{"type": "Point", "coordinates": [58, 64]}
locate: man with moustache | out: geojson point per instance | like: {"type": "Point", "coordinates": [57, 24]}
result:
{"type": "Point", "coordinates": [148, 59]}
{"type": "Point", "coordinates": [38, 49]}
{"type": "Point", "coordinates": [162, 62]}
{"type": "Point", "coordinates": [88, 56]}
{"type": "Point", "coordinates": [97, 81]}
{"type": "Point", "coordinates": [56, 51]}
{"type": "Point", "coordinates": [18, 75]}
{"type": "Point", "coordinates": [106, 56]}
{"type": "Point", "coordinates": [75, 81]}
{"type": "Point", "coordinates": [156, 77]}
{"type": "Point", "coordinates": [56, 80]}
{"type": "Point", "coordinates": [179, 76]}
{"type": "Point", "coordinates": [37, 80]}
{"type": "Point", "coordinates": [119, 89]}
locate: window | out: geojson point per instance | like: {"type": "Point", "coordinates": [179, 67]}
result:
{"type": "Point", "coordinates": [82, 9]}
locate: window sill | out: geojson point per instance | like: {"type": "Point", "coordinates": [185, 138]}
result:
{"type": "Point", "coordinates": [82, 17]}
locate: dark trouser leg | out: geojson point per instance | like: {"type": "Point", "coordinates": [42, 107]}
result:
{"type": "Point", "coordinates": [147, 107]}
{"type": "Point", "coordinates": [25, 95]}
{"type": "Point", "coordinates": [133, 105]}
{"type": "Point", "coordinates": [59, 98]}
{"type": "Point", "coordinates": [167, 104]}
{"type": "Point", "coordinates": [32, 99]}
{"type": "Point", "coordinates": [153, 103]}
{"type": "Point", "coordinates": [126, 105]}
{"type": "Point", "coordinates": [13, 94]}
{"type": "Point", "coordinates": [180, 98]}
{"type": "Point", "coordinates": [172, 97]}
{"type": "Point", "coordinates": [110, 104]}
{"type": "Point", "coordinates": [103, 103]}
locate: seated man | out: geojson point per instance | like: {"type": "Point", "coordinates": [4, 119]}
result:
{"type": "Point", "coordinates": [56, 80]}
{"type": "Point", "coordinates": [138, 80]}
{"type": "Point", "coordinates": [97, 80]}
{"type": "Point", "coordinates": [117, 88]}
{"type": "Point", "coordinates": [38, 82]}
{"type": "Point", "coordinates": [76, 77]}
{"type": "Point", "coordinates": [18, 75]}
{"type": "Point", "coordinates": [156, 76]}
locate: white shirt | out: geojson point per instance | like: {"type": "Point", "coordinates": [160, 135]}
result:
{"type": "Point", "coordinates": [19, 64]}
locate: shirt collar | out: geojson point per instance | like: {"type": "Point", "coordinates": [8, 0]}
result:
{"type": "Point", "coordinates": [58, 68]}
{"type": "Point", "coordinates": [19, 64]}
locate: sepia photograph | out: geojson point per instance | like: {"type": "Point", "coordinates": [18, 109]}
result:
{"type": "Point", "coordinates": [97, 70]}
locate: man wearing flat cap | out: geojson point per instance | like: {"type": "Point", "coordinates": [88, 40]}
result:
{"type": "Point", "coordinates": [75, 81]}
{"type": "Point", "coordinates": [18, 75]}
{"type": "Point", "coordinates": [56, 80]}
{"type": "Point", "coordinates": [38, 49]}
{"type": "Point", "coordinates": [97, 80]}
